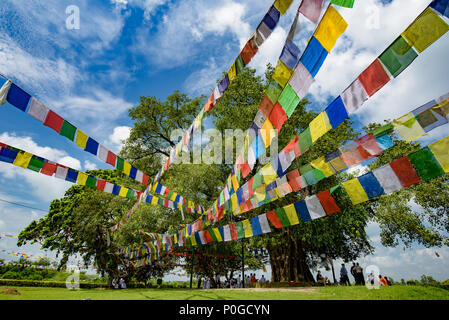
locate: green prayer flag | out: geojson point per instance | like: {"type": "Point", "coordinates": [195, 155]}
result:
{"type": "Point", "coordinates": [212, 235]}
{"type": "Point", "coordinates": [239, 65]}
{"type": "Point", "coordinates": [68, 130]}
{"type": "Point", "coordinates": [304, 169]}
{"type": "Point", "coordinates": [280, 212]}
{"type": "Point", "coordinates": [188, 242]}
{"type": "Point", "coordinates": [274, 91]}
{"type": "Point", "coordinates": [334, 189]}
{"type": "Point", "coordinates": [318, 174]}
{"type": "Point", "coordinates": [305, 140]}
{"type": "Point", "coordinates": [91, 182]}
{"type": "Point", "coordinates": [344, 3]}
{"type": "Point", "coordinates": [258, 180]}
{"type": "Point", "coordinates": [398, 56]}
{"type": "Point", "coordinates": [382, 130]}
{"type": "Point", "coordinates": [240, 230]}
{"type": "Point", "coordinates": [289, 100]}
{"type": "Point", "coordinates": [35, 164]}
{"type": "Point", "coordinates": [425, 164]}
{"type": "Point", "coordinates": [130, 194]}
{"type": "Point", "coordinates": [120, 164]}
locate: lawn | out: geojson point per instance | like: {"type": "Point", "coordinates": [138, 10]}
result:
{"type": "Point", "coordinates": [322, 293]}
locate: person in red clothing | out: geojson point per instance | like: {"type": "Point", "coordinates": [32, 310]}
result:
{"type": "Point", "coordinates": [383, 281]}
{"type": "Point", "coordinates": [253, 278]}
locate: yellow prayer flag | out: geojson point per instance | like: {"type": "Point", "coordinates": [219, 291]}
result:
{"type": "Point", "coordinates": [292, 215]}
{"type": "Point", "coordinates": [154, 200]}
{"type": "Point", "coordinates": [282, 5]}
{"type": "Point", "coordinates": [81, 139]}
{"type": "Point", "coordinates": [338, 164]}
{"type": "Point", "coordinates": [123, 192]}
{"type": "Point", "coordinates": [155, 186]}
{"type": "Point", "coordinates": [127, 168]}
{"type": "Point", "coordinates": [268, 173]}
{"type": "Point", "coordinates": [355, 191]}
{"type": "Point", "coordinates": [82, 178]}
{"type": "Point", "coordinates": [267, 132]}
{"type": "Point", "coordinates": [440, 150]}
{"type": "Point", "coordinates": [247, 228]}
{"type": "Point", "coordinates": [319, 126]}
{"type": "Point", "coordinates": [217, 234]}
{"type": "Point", "coordinates": [235, 183]}
{"type": "Point", "coordinates": [192, 238]}
{"type": "Point", "coordinates": [408, 127]}
{"type": "Point", "coordinates": [23, 159]}
{"type": "Point", "coordinates": [330, 28]}
{"type": "Point", "coordinates": [425, 30]}
{"type": "Point", "coordinates": [234, 201]}
{"type": "Point", "coordinates": [229, 183]}
{"type": "Point", "coordinates": [282, 74]}
{"type": "Point", "coordinates": [260, 194]}
{"type": "Point", "coordinates": [323, 166]}
{"type": "Point", "coordinates": [173, 196]}
{"type": "Point", "coordinates": [232, 73]}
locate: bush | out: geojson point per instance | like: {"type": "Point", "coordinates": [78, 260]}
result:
{"type": "Point", "coordinates": [53, 284]}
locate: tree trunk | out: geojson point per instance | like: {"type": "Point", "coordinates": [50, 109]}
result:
{"type": "Point", "coordinates": [288, 262]}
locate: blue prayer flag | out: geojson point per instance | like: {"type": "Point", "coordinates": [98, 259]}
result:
{"type": "Point", "coordinates": [92, 146]}
{"type": "Point", "coordinates": [301, 208]}
{"type": "Point", "coordinates": [18, 98]}
{"type": "Point", "coordinates": [314, 56]}
{"type": "Point", "coordinates": [442, 6]}
{"type": "Point", "coordinates": [336, 112]}
{"type": "Point", "coordinates": [72, 176]}
{"type": "Point", "coordinates": [371, 185]}
{"type": "Point", "coordinates": [255, 225]}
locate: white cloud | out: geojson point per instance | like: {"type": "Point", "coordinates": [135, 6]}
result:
{"type": "Point", "coordinates": [89, 165]}
{"type": "Point", "coordinates": [70, 162]}
{"type": "Point", "coordinates": [119, 135]}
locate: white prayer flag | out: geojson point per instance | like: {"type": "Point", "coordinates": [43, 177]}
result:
{"type": "Point", "coordinates": [315, 208]}
{"type": "Point", "coordinates": [387, 179]}
{"type": "Point", "coordinates": [38, 110]}
{"type": "Point", "coordinates": [354, 96]}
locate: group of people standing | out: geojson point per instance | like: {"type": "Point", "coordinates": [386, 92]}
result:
{"type": "Point", "coordinates": [356, 271]}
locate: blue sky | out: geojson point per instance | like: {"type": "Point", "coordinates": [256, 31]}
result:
{"type": "Point", "coordinates": [125, 49]}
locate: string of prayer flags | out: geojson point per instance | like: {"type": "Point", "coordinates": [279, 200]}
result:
{"type": "Point", "coordinates": [424, 31]}
{"type": "Point", "coordinates": [27, 160]}
{"type": "Point", "coordinates": [262, 32]}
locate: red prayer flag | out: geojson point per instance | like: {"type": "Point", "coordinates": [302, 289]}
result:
{"type": "Point", "coordinates": [111, 158]}
{"type": "Point", "coordinates": [54, 121]}
{"type": "Point", "coordinates": [293, 145]}
{"type": "Point", "coordinates": [274, 219]}
{"type": "Point", "coordinates": [328, 202]}
{"type": "Point", "coordinates": [278, 116]}
{"type": "Point", "coordinates": [145, 179]}
{"type": "Point", "coordinates": [294, 180]}
{"type": "Point", "coordinates": [370, 145]}
{"type": "Point", "coordinates": [207, 236]}
{"type": "Point", "coordinates": [233, 230]}
{"type": "Point", "coordinates": [48, 169]}
{"type": "Point", "coordinates": [210, 103]}
{"type": "Point", "coordinates": [405, 172]}
{"type": "Point", "coordinates": [266, 106]}
{"type": "Point", "coordinates": [374, 78]}
{"type": "Point", "coordinates": [249, 51]}
{"type": "Point", "coordinates": [245, 169]}
{"type": "Point", "coordinates": [250, 187]}
{"type": "Point", "coordinates": [101, 184]}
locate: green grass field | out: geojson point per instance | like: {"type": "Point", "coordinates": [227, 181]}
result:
{"type": "Point", "coordinates": [321, 293]}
